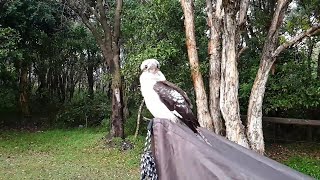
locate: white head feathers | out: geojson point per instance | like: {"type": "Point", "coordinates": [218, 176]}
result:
{"type": "Point", "coordinates": [151, 71]}
{"type": "Point", "coordinates": [149, 64]}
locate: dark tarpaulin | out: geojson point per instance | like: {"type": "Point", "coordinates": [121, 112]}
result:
{"type": "Point", "coordinates": [181, 155]}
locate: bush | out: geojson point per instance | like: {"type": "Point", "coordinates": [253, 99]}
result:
{"type": "Point", "coordinates": [84, 111]}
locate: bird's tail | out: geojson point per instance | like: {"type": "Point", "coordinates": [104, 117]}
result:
{"type": "Point", "coordinates": [202, 137]}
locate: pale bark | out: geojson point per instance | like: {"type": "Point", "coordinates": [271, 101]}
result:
{"type": "Point", "coordinates": [229, 103]}
{"type": "Point", "coordinates": [254, 121]}
{"type": "Point", "coordinates": [23, 88]}
{"type": "Point", "coordinates": [214, 53]}
{"type": "Point", "coordinates": [89, 71]}
{"type": "Point", "coordinates": [318, 66]}
{"type": "Point", "coordinates": [201, 97]}
{"type": "Point", "coordinates": [117, 129]}
{"type": "Point", "coordinates": [269, 54]}
{"type": "Point", "coordinates": [139, 118]}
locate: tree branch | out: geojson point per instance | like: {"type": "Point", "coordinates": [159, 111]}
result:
{"type": "Point", "coordinates": [139, 118]}
{"type": "Point", "coordinates": [209, 12]}
{"type": "Point", "coordinates": [117, 19]}
{"type": "Point", "coordinates": [277, 19]}
{"type": "Point", "coordinates": [91, 27]}
{"type": "Point", "coordinates": [104, 21]}
{"type": "Point", "coordinates": [244, 4]}
{"type": "Point", "coordinates": [311, 31]}
{"type": "Point", "coordinates": [241, 51]}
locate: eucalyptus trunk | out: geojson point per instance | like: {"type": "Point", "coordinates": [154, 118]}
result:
{"type": "Point", "coordinates": [318, 66]}
{"type": "Point", "coordinates": [23, 88]}
{"type": "Point", "coordinates": [229, 102]}
{"type": "Point", "coordinates": [214, 45]}
{"type": "Point", "coordinates": [203, 113]}
{"type": "Point", "coordinates": [269, 54]}
{"type": "Point", "coordinates": [90, 67]}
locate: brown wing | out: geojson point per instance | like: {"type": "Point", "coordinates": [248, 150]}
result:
{"type": "Point", "coordinates": [184, 94]}
{"type": "Point", "coordinates": [177, 101]}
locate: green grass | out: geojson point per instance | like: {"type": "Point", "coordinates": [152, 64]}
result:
{"type": "Point", "coordinates": [303, 157]}
{"type": "Point", "coordinates": [66, 154]}
{"type": "Point", "coordinates": [305, 165]}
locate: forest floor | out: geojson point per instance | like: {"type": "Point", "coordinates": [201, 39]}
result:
{"type": "Point", "coordinates": [83, 154]}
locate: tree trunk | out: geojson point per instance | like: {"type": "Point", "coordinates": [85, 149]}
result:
{"type": "Point", "coordinates": [139, 119]}
{"type": "Point", "coordinates": [62, 85]}
{"type": "Point", "coordinates": [254, 125]}
{"type": "Point", "coordinates": [71, 82]}
{"type": "Point", "coordinates": [117, 129]}
{"type": "Point", "coordinates": [43, 84]}
{"type": "Point", "coordinates": [309, 56]}
{"type": "Point", "coordinates": [229, 103]}
{"type": "Point", "coordinates": [23, 88]}
{"type": "Point", "coordinates": [214, 45]}
{"type": "Point", "coordinates": [90, 75]}
{"type": "Point", "coordinates": [254, 118]}
{"type": "Point", "coordinates": [318, 68]}
{"type": "Point", "coordinates": [125, 100]}
{"type": "Point", "coordinates": [201, 97]}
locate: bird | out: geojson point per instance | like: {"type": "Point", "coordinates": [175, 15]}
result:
{"type": "Point", "coordinates": [164, 99]}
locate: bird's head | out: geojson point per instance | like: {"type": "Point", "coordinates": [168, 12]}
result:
{"type": "Point", "coordinates": [151, 69]}
{"type": "Point", "coordinates": [150, 65]}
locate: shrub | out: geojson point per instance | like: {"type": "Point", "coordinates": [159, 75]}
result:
{"type": "Point", "coordinates": [83, 110]}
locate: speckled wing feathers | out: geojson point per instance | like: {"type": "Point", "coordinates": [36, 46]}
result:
{"type": "Point", "coordinates": [177, 102]}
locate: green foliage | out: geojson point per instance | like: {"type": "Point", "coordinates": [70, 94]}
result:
{"type": "Point", "coordinates": [305, 165]}
{"type": "Point", "coordinates": [8, 100]}
{"type": "Point", "coordinates": [85, 111]}
{"type": "Point", "coordinates": [154, 29]}
{"type": "Point", "coordinates": [9, 39]}
{"type": "Point", "coordinates": [291, 92]}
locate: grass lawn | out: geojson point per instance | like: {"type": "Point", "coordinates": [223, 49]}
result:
{"type": "Point", "coordinates": [303, 157]}
{"type": "Point", "coordinates": [60, 154]}
{"type": "Point", "coordinates": [83, 154]}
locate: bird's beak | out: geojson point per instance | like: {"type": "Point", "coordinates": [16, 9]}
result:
{"type": "Point", "coordinates": [154, 70]}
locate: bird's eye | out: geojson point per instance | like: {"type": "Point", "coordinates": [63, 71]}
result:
{"type": "Point", "coordinates": [158, 66]}
{"type": "Point", "coordinates": [146, 66]}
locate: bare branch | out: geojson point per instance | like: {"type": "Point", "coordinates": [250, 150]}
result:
{"type": "Point", "coordinates": [209, 12]}
{"type": "Point", "coordinates": [117, 19]}
{"type": "Point", "coordinates": [241, 51]}
{"type": "Point", "coordinates": [95, 13]}
{"type": "Point", "coordinates": [91, 27]}
{"type": "Point", "coordinates": [146, 119]}
{"type": "Point", "coordinates": [311, 31]}
{"type": "Point", "coordinates": [244, 4]}
{"type": "Point", "coordinates": [139, 118]}
{"type": "Point", "coordinates": [278, 18]}
{"type": "Point", "coordinates": [104, 21]}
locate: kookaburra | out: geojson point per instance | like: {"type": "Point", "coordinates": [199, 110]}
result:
{"type": "Point", "coordinates": [164, 99]}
